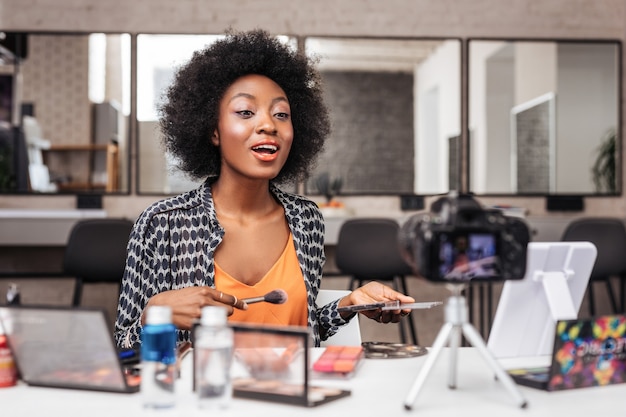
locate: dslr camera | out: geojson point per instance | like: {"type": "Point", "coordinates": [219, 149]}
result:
{"type": "Point", "coordinates": [459, 241]}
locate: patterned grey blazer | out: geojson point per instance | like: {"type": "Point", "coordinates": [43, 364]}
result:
{"type": "Point", "coordinates": [172, 246]}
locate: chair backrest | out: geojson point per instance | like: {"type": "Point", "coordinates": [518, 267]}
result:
{"type": "Point", "coordinates": [369, 248]}
{"type": "Point", "coordinates": [348, 335]}
{"type": "Point", "coordinates": [96, 249]}
{"type": "Point", "coordinates": [608, 235]}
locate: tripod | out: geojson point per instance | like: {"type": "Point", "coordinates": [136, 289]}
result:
{"type": "Point", "coordinates": [455, 325]}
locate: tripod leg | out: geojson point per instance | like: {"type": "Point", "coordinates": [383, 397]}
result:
{"type": "Point", "coordinates": [455, 343]}
{"type": "Point", "coordinates": [477, 341]}
{"type": "Point", "coordinates": [438, 344]}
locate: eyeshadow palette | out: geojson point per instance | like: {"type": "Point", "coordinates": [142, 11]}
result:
{"type": "Point", "coordinates": [341, 361]}
{"type": "Point", "coordinates": [389, 350]}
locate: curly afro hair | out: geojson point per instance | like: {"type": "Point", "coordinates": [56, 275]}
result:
{"type": "Point", "coordinates": [190, 111]}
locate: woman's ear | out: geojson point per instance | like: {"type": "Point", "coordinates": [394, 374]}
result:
{"type": "Point", "coordinates": [215, 139]}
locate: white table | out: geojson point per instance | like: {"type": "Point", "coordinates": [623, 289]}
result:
{"type": "Point", "coordinates": [379, 388]}
{"type": "Point", "coordinates": [41, 227]}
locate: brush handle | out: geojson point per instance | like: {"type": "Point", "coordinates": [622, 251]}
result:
{"type": "Point", "coordinates": [253, 300]}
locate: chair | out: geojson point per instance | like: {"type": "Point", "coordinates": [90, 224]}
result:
{"type": "Point", "coordinates": [368, 250]}
{"type": "Point", "coordinates": [348, 335]}
{"type": "Point", "coordinates": [609, 236]}
{"type": "Point", "coordinates": [96, 252]}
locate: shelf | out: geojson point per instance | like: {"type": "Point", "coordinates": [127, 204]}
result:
{"type": "Point", "coordinates": [79, 147]}
{"type": "Point", "coordinates": [81, 186]}
{"type": "Point", "coordinates": [112, 154]}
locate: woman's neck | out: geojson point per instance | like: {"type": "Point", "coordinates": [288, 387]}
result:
{"type": "Point", "coordinates": [251, 199]}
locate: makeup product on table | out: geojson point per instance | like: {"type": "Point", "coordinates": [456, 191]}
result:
{"type": "Point", "coordinates": [213, 355]}
{"type": "Point", "coordinates": [390, 305]}
{"type": "Point", "coordinates": [339, 361]}
{"type": "Point", "coordinates": [158, 358]}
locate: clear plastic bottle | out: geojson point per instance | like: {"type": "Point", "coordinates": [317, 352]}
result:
{"type": "Point", "coordinates": [213, 348]}
{"type": "Point", "coordinates": [158, 358]}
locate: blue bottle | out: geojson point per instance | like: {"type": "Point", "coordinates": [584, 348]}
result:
{"type": "Point", "coordinates": [158, 358]}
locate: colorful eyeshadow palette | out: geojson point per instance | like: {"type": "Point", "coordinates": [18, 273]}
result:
{"type": "Point", "coordinates": [587, 353]}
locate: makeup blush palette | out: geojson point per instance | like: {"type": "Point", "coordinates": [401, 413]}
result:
{"type": "Point", "coordinates": [339, 360]}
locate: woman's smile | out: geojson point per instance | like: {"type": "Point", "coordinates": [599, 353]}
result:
{"type": "Point", "coordinates": [266, 151]}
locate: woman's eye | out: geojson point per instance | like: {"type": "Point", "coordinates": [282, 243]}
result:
{"type": "Point", "coordinates": [245, 113]}
{"type": "Point", "coordinates": [282, 116]}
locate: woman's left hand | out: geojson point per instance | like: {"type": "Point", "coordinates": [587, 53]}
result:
{"type": "Point", "coordinates": [375, 292]}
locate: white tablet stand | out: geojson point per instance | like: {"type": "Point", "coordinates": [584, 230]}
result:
{"type": "Point", "coordinates": [457, 324]}
{"type": "Point", "coordinates": [553, 287]}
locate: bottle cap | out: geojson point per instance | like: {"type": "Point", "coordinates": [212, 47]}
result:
{"type": "Point", "coordinates": [159, 315]}
{"type": "Point", "coordinates": [213, 316]}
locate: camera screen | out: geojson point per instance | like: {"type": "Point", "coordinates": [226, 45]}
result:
{"type": "Point", "coordinates": [467, 256]}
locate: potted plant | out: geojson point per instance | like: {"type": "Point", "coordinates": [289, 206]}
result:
{"type": "Point", "coordinates": [604, 166]}
{"type": "Point", "coordinates": [329, 187]}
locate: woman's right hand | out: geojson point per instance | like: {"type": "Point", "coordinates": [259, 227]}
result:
{"type": "Point", "coordinates": [186, 304]}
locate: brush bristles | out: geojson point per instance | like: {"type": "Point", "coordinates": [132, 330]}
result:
{"type": "Point", "coordinates": [276, 297]}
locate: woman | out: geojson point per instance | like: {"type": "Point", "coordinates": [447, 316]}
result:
{"type": "Point", "coordinates": [245, 114]}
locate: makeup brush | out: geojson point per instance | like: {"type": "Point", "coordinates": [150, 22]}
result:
{"type": "Point", "coordinates": [274, 297]}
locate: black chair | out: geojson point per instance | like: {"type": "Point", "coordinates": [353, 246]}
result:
{"type": "Point", "coordinates": [368, 250]}
{"type": "Point", "coordinates": [609, 236]}
{"type": "Point", "coordinates": [96, 252]}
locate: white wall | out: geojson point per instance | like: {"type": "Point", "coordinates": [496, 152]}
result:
{"type": "Point", "coordinates": [484, 146]}
{"type": "Point", "coordinates": [437, 116]}
{"type": "Point", "coordinates": [151, 173]}
{"type": "Point", "coordinates": [530, 83]}
{"type": "Point", "coordinates": [583, 101]}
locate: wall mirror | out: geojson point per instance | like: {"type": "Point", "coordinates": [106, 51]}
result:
{"type": "Point", "coordinates": [64, 109]}
{"type": "Point", "coordinates": [544, 117]}
{"type": "Point", "coordinates": [395, 114]}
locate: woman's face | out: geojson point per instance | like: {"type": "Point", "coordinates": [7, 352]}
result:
{"type": "Point", "coordinates": [254, 130]}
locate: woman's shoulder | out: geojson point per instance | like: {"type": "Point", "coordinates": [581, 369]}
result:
{"type": "Point", "coordinates": [189, 201]}
{"type": "Point", "coordinates": [297, 204]}
{"type": "Point", "coordinates": [183, 201]}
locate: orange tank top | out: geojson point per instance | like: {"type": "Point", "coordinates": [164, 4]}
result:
{"type": "Point", "coordinates": [285, 274]}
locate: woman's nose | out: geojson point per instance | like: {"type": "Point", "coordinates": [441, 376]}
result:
{"type": "Point", "coordinates": [266, 124]}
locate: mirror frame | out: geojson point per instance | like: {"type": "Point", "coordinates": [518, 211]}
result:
{"type": "Point", "coordinates": [619, 119]}
{"type": "Point", "coordinates": [20, 157]}
{"type": "Point", "coordinates": [400, 59]}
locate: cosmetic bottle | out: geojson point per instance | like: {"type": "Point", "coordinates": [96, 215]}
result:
{"type": "Point", "coordinates": [8, 370]}
{"type": "Point", "coordinates": [213, 351]}
{"type": "Point", "coordinates": [158, 358]}
{"type": "Point", "coordinates": [13, 294]}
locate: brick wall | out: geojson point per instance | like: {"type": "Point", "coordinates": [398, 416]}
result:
{"type": "Point", "coordinates": [533, 149]}
{"type": "Point", "coordinates": [369, 154]}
